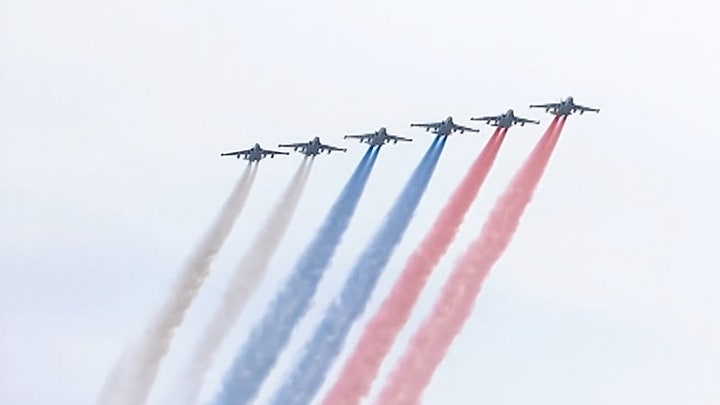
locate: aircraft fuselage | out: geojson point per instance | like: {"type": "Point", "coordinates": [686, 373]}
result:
{"type": "Point", "coordinates": [506, 120]}
{"type": "Point", "coordinates": [313, 148]}
{"type": "Point", "coordinates": [446, 128]}
{"type": "Point", "coordinates": [254, 155]}
{"type": "Point", "coordinates": [379, 138]}
{"type": "Point", "coordinates": [566, 107]}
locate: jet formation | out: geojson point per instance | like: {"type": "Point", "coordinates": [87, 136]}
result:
{"type": "Point", "coordinates": [445, 127]}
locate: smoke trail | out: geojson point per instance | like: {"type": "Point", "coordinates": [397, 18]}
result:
{"type": "Point", "coordinates": [432, 340]}
{"type": "Point", "coordinates": [362, 367]}
{"type": "Point", "coordinates": [308, 375]}
{"type": "Point", "coordinates": [133, 376]}
{"type": "Point", "coordinates": [248, 274]}
{"type": "Point", "coordinates": [266, 341]}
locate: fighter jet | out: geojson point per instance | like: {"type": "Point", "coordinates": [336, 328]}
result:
{"type": "Point", "coordinates": [312, 148]}
{"type": "Point", "coordinates": [378, 138]}
{"type": "Point", "coordinates": [564, 107]}
{"type": "Point", "coordinates": [445, 127]}
{"type": "Point", "coordinates": [505, 120]}
{"type": "Point", "coordinates": [254, 154]}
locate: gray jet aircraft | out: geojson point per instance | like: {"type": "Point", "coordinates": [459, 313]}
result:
{"type": "Point", "coordinates": [312, 148]}
{"type": "Point", "coordinates": [505, 120]}
{"type": "Point", "coordinates": [254, 154]}
{"type": "Point", "coordinates": [564, 107]}
{"type": "Point", "coordinates": [378, 138]}
{"type": "Point", "coordinates": [445, 127]}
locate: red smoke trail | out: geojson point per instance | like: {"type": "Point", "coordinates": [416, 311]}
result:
{"type": "Point", "coordinates": [362, 367]}
{"type": "Point", "coordinates": [432, 340]}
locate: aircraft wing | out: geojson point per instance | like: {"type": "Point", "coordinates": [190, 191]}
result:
{"type": "Point", "coordinates": [396, 138]}
{"type": "Point", "coordinates": [582, 108]}
{"type": "Point", "coordinates": [333, 148]}
{"type": "Point", "coordinates": [548, 105]}
{"type": "Point", "coordinates": [363, 136]}
{"type": "Point", "coordinates": [427, 125]}
{"type": "Point", "coordinates": [523, 121]}
{"type": "Point", "coordinates": [487, 118]}
{"type": "Point", "coordinates": [238, 153]}
{"type": "Point", "coordinates": [293, 145]}
{"type": "Point", "coordinates": [463, 129]}
{"type": "Point", "coordinates": [273, 152]}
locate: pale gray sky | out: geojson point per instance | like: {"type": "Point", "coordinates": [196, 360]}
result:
{"type": "Point", "coordinates": [113, 114]}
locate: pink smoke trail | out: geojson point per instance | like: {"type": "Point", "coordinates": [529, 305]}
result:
{"type": "Point", "coordinates": [362, 367]}
{"type": "Point", "coordinates": [432, 340]}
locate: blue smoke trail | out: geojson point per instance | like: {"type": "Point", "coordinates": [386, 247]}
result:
{"type": "Point", "coordinates": [308, 375]}
{"type": "Point", "coordinates": [266, 341]}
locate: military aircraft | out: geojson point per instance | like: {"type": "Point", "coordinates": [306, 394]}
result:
{"type": "Point", "coordinates": [312, 148]}
{"type": "Point", "coordinates": [254, 154]}
{"type": "Point", "coordinates": [505, 120]}
{"type": "Point", "coordinates": [564, 107]}
{"type": "Point", "coordinates": [445, 127]}
{"type": "Point", "coordinates": [378, 138]}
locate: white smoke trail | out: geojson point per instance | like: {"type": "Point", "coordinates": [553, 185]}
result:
{"type": "Point", "coordinates": [131, 380]}
{"type": "Point", "coordinates": [248, 274]}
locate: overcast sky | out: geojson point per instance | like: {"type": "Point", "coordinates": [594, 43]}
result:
{"type": "Point", "coordinates": [113, 115]}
